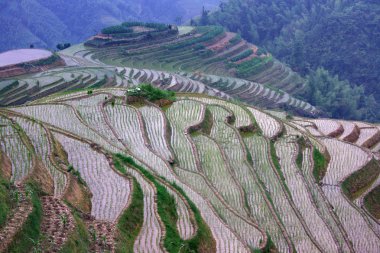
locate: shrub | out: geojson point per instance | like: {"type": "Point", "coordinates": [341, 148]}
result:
{"type": "Point", "coordinates": [151, 93]}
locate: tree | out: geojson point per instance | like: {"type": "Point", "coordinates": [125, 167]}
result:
{"type": "Point", "coordinates": [204, 17]}
{"type": "Point", "coordinates": [63, 46]}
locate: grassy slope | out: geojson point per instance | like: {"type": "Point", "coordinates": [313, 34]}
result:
{"type": "Point", "coordinates": [78, 241]}
{"type": "Point", "coordinates": [357, 183]}
{"type": "Point", "coordinates": [131, 221]}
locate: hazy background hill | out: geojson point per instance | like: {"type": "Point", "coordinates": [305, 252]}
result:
{"type": "Point", "coordinates": [45, 23]}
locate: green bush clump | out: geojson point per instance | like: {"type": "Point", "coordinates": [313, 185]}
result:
{"type": "Point", "coordinates": [151, 93]}
{"type": "Point", "coordinates": [320, 165]}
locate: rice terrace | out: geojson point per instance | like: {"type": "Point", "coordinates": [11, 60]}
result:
{"type": "Point", "coordinates": [156, 138]}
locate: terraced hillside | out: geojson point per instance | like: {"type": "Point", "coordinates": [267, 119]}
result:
{"type": "Point", "coordinates": [202, 49]}
{"type": "Point", "coordinates": [96, 170]}
{"type": "Point", "coordinates": [83, 71]}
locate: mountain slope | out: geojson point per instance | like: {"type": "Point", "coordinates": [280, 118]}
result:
{"type": "Point", "coordinates": [340, 36]}
{"type": "Point", "coordinates": [47, 23]}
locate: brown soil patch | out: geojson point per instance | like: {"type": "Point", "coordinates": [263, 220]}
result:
{"type": "Point", "coordinates": [57, 223]}
{"type": "Point", "coordinates": [42, 176]}
{"type": "Point", "coordinates": [372, 141]}
{"type": "Point", "coordinates": [78, 195]}
{"type": "Point", "coordinates": [354, 135]}
{"type": "Point", "coordinates": [5, 166]}
{"type": "Point", "coordinates": [337, 132]}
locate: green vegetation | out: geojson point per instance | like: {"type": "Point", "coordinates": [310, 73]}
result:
{"type": "Point", "coordinates": [9, 87]}
{"type": "Point", "coordinates": [207, 123]}
{"type": "Point", "coordinates": [151, 93]}
{"type": "Point", "coordinates": [358, 182]}
{"type": "Point", "coordinates": [202, 241]}
{"type": "Point", "coordinates": [29, 236]}
{"type": "Point", "coordinates": [251, 67]}
{"type": "Point", "coordinates": [329, 34]}
{"type": "Point", "coordinates": [338, 99]}
{"type": "Point", "coordinates": [372, 202]}
{"type": "Point", "coordinates": [209, 32]}
{"type": "Point", "coordinates": [78, 242]}
{"type": "Point", "coordinates": [242, 55]}
{"type": "Point", "coordinates": [76, 174]}
{"type": "Point", "coordinates": [130, 222]}
{"type": "Point", "coordinates": [269, 247]}
{"type": "Point", "coordinates": [277, 166]}
{"type": "Point", "coordinates": [5, 200]}
{"type": "Point", "coordinates": [320, 165]}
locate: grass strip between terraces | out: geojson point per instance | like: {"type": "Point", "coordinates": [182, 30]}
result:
{"type": "Point", "coordinates": [131, 221]}
{"type": "Point", "coordinates": [201, 242]}
{"type": "Point", "coordinates": [372, 202]}
{"type": "Point", "coordinates": [320, 165]}
{"type": "Point", "coordinates": [78, 241]}
{"type": "Point", "coordinates": [27, 239]}
{"type": "Point", "coordinates": [358, 182]}
{"type": "Point", "coordinates": [277, 165]}
{"type": "Point", "coordinates": [301, 147]}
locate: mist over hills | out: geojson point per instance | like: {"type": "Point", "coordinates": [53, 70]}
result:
{"type": "Point", "coordinates": [44, 23]}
